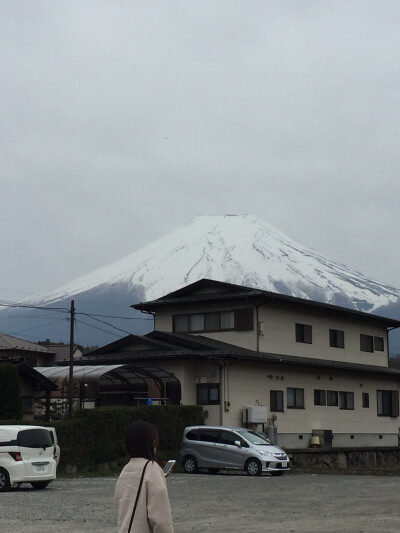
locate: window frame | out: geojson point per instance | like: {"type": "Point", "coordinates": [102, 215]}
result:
{"type": "Point", "coordinates": [274, 397]}
{"type": "Point", "coordinates": [298, 398]}
{"type": "Point", "coordinates": [303, 333]}
{"type": "Point", "coordinates": [366, 346]}
{"type": "Point", "coordinates": [365, 400]}
{"type": "Point", "coordinates": [208, 387]}
{"type": "Point", "coordinates": [336, 338]}
{"type": "Point", "coordinates": [329, 394]}
{"type": "Point", "coordinates": [320, 397]}
{"type": "Point", "coordinates": [345, 395]}
{"type": "Point", "coordinates": [242, 319]}
{"type": "Point", "coordinates": [392, 401]}
{"type": "Point", "coordinates": [379, 344]}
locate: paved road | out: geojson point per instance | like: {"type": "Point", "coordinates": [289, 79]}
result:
{"type": "Point", "coordinates": [221, 503]}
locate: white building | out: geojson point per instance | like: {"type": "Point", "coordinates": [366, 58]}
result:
{"type": "Point", "coordinates": [317, 368]}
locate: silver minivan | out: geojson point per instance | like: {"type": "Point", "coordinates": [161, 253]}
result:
{"type": "Point", "coordinates": [228, 448]}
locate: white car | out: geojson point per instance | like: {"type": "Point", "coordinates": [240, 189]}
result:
{"type": "Point", "coordinates": [28, 454]}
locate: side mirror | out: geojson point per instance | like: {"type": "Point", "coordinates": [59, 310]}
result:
{"type": "Point", "coordinates": [238, 443]}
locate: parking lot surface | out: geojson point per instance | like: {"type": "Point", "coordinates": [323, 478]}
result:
{"type": "Point", "coordinates": [219, 503]}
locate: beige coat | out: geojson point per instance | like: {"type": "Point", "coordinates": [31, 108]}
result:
{"type": "Point", "coordinates": [153, 512]}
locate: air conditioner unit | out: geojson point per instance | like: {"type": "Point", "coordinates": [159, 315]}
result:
{"type": "Point", "coordinates": [255, 414]}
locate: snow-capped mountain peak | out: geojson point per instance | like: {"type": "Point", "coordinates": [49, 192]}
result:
{"type": "Point", "coordinates": [240, 249]}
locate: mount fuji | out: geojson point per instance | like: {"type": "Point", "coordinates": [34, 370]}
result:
{"type": "Point", "coordinates": [239, 249]}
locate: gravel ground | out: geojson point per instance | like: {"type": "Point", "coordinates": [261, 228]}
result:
{"type": "Point", "coordinates": [219, 503]}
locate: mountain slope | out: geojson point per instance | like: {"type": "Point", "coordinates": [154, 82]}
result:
{"type": "Point", "coordinates": [237, 249]}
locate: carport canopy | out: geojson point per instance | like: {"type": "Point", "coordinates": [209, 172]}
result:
{"type": "Point", "coordinates": [112, 378]}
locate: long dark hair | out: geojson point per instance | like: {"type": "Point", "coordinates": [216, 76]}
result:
{"type": "Point", "coordinates": [142, 440]}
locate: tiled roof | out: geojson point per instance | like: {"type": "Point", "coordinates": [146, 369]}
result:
{"type": "Point", "coordinates": [7, 342]}
{"type": "Point", "coordinates": [175, 346]}
{"type": "Point", "coordinates": [238, 292]}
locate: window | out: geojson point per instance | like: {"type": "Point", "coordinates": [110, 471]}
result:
{"type": "Point", "coordinates": [276, 401]}
{"type": "Point", "coordinates": [209, 435]}
{"type": "Point", "coordinates": [336, 338]}
{"type": "Point", "coordinates": [388, 403]}
{"type": "Point", "coordinates": [227, 320]}
{"type": "Point", "coordinates": [346, 400]}
{"type": "Point", "coordinates": [295, 398]}
{"type": "Point", "coordinates": [208, 394]}
{"type": "Point", "coordinates": [27, 404]}
{"type": "Point", "coordinates": [366, 343]}
{"type": "Point", "coordinates": [35, 438]}
{"type": "Point", "coordinates": [196, 322]}
{"type": "Point", "coordinates": [378, 344]}
{"type": "Point", "coordinates": [192, 435]}
{"type": "Point", "coordinates": [181, 323]}
{"type": "Point", "coordinates": [332, 398]}
{"type": "Point", "coordinates": [319, 397]}
{"type": "Point", "coordinates": [239, 320]}
{"type": "Point", "coordinates": [212, 321]}
{"type": "Point", "coordinates": [303, 333]}
{"type": "Point", "coordinates": [365, 399]}
{"type": "Point", "coordinates": [228, 437]}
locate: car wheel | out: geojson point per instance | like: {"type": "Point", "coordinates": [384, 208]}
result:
{"type": "Point", "coordinates": [213, 470]}
{"type": "Point", "coordinates": [4, 480]}
{"type": "Point", "coordinates": [190, 465]}
{"type": "Point", "coordinates": [38, 485]}
{"type": "Point", "coordinates": [253, 467]}
{"type": "Point", "coordinates": [277, 473]}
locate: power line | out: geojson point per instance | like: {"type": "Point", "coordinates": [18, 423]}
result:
{"type": "Point", "coordinates": [106, 323]}
{"type": "Point", "coordinates": [36, 327]}
{"type": "Point", "coordinates": [96, 327]}
{"type": "Point", "coordinates": [33, 307]}
{"type": "Point", "coordinates": [113, 316]}
{"type": "Point", "coordinates": [33, 317]}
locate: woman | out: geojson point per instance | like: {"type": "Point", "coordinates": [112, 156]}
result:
{"type": "Point", "coordinates": [153, 512]}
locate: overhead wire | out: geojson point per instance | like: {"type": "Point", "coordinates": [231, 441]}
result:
{"type": "Point", "coordinates": [106, 323]}
{"type": "Point", "coordinates": [36, 327]}
{"type": "Point", "coordinates": [100, 329]}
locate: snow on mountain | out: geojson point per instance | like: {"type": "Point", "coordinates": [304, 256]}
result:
{"type": "Point", "coordinates": [240, 249]}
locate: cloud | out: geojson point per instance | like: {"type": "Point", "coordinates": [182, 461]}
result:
{"type": "Point", "coordinates": [123, 120]}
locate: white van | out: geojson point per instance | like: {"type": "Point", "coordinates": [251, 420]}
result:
{"type": "Point", "coordinates": [56, 445]}
{"type": "Point", "coordinates": [216, 448]}
{"type": "Point", "coordinates": [28, 454]}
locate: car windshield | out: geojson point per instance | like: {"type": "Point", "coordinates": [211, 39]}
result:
{"type": "Point", "coordinates": [254, 438]}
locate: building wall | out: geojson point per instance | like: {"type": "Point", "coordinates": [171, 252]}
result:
{"type": "Point", "coordinates": [278, 335]}
{"type": "Point", "coordinates": [276, 332]}
{"type": "Point", "coordinates": [245, 339]}
{"type": "Point", "coordinates": [247, 384]}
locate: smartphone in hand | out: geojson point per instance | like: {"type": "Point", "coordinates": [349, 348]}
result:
{"type": "Point", "coordinates": [168, 467]}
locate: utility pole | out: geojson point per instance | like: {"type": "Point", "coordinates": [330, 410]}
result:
{"type": "Point", "coordinates": [71, 361]}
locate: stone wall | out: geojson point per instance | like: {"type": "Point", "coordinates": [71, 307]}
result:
{"type": "Point", "coordinates": [346, 460]}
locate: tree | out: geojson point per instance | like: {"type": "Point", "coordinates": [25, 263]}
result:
{"type": "Point", "coordinates": [10, 395]}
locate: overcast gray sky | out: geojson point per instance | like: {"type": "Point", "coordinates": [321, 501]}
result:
{"type": "Point", "coordinates": [123, 120]}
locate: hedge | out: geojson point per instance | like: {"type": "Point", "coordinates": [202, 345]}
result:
{"type": "Point", "coordinates": [97, 436]}
{"type": "Point", "coordinates": [10, 396]}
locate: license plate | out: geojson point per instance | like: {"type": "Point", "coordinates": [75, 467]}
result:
{"type": "Point", "coordinates": [284, 464]}
{"type": "Point", "coordinates": [40, 468]}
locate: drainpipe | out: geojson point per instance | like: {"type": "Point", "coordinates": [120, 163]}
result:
{"type": "Point", "coordinates": [221, 393]}
{"type": "Point", "coordinates": [258, 331]}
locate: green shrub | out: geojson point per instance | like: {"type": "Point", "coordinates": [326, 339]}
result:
{"type": "Point", "coordinates": [10, 395]}
{"type": "Point", "coordinates": [97, 436]}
